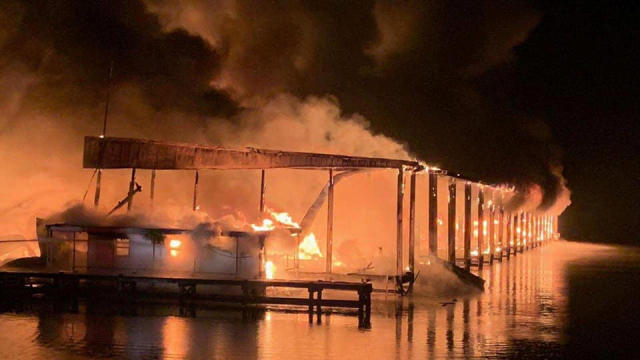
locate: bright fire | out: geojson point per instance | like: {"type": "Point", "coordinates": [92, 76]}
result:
{"type": "Point", "coordinates": [267, 225]}
{"type": "Point", "coordinates": [308, 248]}
{"type": "Point", "coordinates": [174, 244]}
{"type": "Point", "coordinates": [284, 218]}
{"type": "Point", "coordinates": [269, 269]}
{"type": "Point", "coordinates": [279, 217]}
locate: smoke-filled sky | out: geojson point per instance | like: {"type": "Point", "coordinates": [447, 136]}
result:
{"type": "Point", "coordinates": [506, 91]}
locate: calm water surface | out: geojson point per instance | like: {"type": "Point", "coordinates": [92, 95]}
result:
{"type": "Point", "coordinates": [566, 300]}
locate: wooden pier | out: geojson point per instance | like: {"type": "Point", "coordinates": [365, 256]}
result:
{"type": "Point", "coordinates": [251, 291]}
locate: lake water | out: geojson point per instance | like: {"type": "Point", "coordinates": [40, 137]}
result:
{"type": "Point", "coordinates": [565, 300]}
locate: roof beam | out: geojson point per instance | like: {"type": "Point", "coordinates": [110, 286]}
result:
{"type": "Point", "coordinates": [122, 153]}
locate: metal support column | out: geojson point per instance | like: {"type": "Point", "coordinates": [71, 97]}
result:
{"type": "Point", "coordinates": [400, 206]}
{"type": "Point", "coordinates": [433, 214]}
{"type": "Point", "coordinates": [131, 187]}
{"type": "Point", "coordinates": [492, 229]}
{"type": "Point", "coordinates": [509, 237]}
{"type": "Point", "coordinates": [195, 192]}
{"type": "Point", "coordinates": [152, 187]}
{"type": "Point", "coordinates": [451, 222]}
{"type": "Point", "coordinates": [262, 190]}
{"type": "Point", "coordinates": [467, 225]}
{"type": "Point", "coordinates": [330, 223]}
{"type": "Point", "coordinates": [481, 227]}
{"type": "Point", "coordinates": [412, 223]}
{"type": "Point", "coordinates": [96, 199]}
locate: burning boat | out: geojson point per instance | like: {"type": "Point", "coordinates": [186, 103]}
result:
{"type": "Point", "coordinates": [68, 247]}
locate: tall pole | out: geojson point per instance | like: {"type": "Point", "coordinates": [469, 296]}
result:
{"type": "Point", "coordinates": [330, 224]}
{"type": "Point", "coordinates": [467, 225]}
{"type": "Point", "coordinates": [433, 214]}
{"type": "Point", "coordinates": [451, 222]}
{"type": "Point", "coordinates": [96, 199]}
{"type": "Point", "coordinates": [400, 206]}
{"type": "Point", "coordinates": [412, 223]}
{"type": "Point", "coordinates": [131, 186]}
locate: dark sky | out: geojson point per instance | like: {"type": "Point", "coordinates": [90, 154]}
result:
{"type": "Point", "coordinates": [579, 71]}
{"type": "Point", "coordinates": [505, 91]}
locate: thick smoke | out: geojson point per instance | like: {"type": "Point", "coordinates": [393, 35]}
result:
{"type": "Point", "coordinates": [242, 73]}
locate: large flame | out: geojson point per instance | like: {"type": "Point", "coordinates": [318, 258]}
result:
{"type": "Point", "coordinates": [283, 218]}
{"type": "Point", "coordinates": [267, 225]}
{"type": "Point", "coordinates": [308, 248]}
{"type": "Point", "coordinates": [269, 269]}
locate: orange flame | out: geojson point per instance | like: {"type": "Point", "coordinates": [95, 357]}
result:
{"type": "Point", "coordinates": [308, 248]}
{"type": "Point", "coordinates": [267, 225]}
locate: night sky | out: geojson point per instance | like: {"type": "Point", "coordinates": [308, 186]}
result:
{"type": "Point", "coordinates": [506, 91]}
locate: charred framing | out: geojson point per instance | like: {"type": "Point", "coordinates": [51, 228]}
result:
{"type": "Point", "coordinates": [123, 153]}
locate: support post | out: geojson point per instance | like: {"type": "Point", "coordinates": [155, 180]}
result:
{"type": "Point", "coordinates": [509, 237]}
{"type": "Point", "coordinates": [152, 188]}
{"type": "Point", "coordinates": [467, 226]}
{"type": "Point", "coordinates": [523, 231]}
{"type": "Point", "coordinates": [535, 231]}
{"type": "Point", "coordinates": [73, 259]}
{"type": "Point", "coordinates": [501, 226]}
{"type": "Point", "coordinates": [451, 222]}
{"type": "Point", "coordinates": [433, 214]}
{"type": "Point", "coordinates": [492, 229]}
{"type": "Point", "coordinates": [330, 224]}
{"type": "Point", "coordinates": [481, 227]}
{"type": "Point", "coordinates": [195, 191]}
{"type": "Point", "coordinates": [131, 186]}
{"type": "Point", "coordinates": [412, 224]}
{"type": "Point", "coordinates": [516, 233]}
{"type": "Point", "coordinates": [530, 230]}
{"type": "Point", "coordinates": [400, 206]}
{"type": "Point", "coordinates": [262, 190]}
{"type": "Point", "coordinates": [96, 199]}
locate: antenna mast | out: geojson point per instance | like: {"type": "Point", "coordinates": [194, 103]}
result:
{"type": "Point", "coordinates": [96, 199]}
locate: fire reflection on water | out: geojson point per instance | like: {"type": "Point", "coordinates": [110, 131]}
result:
{"type": "Point", "coordinates": [525, 308]}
